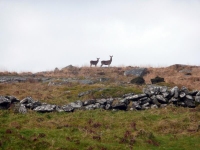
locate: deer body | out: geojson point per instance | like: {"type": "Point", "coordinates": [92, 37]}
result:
{"type": "Point", "coordinates": [94, 62]}
{"type": "Point", "coordinates": [106, 62]}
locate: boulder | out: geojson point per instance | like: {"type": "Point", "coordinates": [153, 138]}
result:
{"type": "Point", "coordinates": [138, 80]}
{"type": "Point", "coordinates": [139, 72]}
{"type": "Point", "coordinates": [157, 80]}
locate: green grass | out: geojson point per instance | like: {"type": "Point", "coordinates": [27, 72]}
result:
{"type": "Point", "coordinates": [163, 128]}
{"type": "Point", "coordinates": [100, 129]}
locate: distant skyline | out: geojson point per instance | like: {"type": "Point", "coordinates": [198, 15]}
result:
{"type": "Point", "coordinates": [39, 35]}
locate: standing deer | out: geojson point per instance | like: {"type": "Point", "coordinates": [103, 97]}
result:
{"type": "Point", "coordinates": [94, 62]}
{"type": "Point", "coordinates": [106, 62]}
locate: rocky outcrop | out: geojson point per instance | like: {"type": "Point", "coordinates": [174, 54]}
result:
{"type": "Point", "coordinates": [153, 96]}
{"type": "Point", "coordinates": [14, 79]}
{"type": "Point", "coordinates": [139, 72]}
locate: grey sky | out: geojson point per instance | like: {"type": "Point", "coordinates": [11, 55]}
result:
{"type": "Point", "coordinates": [39, 35]}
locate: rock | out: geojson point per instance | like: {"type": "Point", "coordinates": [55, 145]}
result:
{"type": "Point", "coordinates": [76, 105]}
{"type": "Point", "coordinates": [109, 101]}
{"type": "Point", "coordinates": [89, 102]}
{"type": "Point", "coordinates": [197, 99]}
{"type": "Point", "coordinates": [68, 67]}
{"type": "Point", "coordinates": [175, 92]}
{"type": "Point", "coordinates": [4, 102]}
{"type": "Point", "coordinates": [161, 99]}
{"type": "Point", "coordinates": [120, 106]}
{"type": "Point", "coordinates": [128, 94]}
{"type": "Point", "coordinates": [166, 95]}
{"type": "Point", "coordinates": [45, 108]}
{"type": "Point", "coordinates": [136, 106]}
{"type": "Point", "coordinates": [152, 90]}
{"type": "Point", "coordinates": [179, 103]}
{"type": "Point", "coordinates": [56, 70]}
{"type": "Point", "coordinates": [136, 97]}
{"type": "Point", "coordinates": [12, 99]}
{"type": "Point", "coordinates": [173, 100]}
{"type": "Point", "coordinates": [68, 108]}
{"type": "Point", "coordinates": [163, 89]}
{"type": "Point", "coordinates": [59, 109]}
{"type": "Point", "coordinates": [145, 106]}
{"type": "Point", "coordinates": [138, 80]}
{"type": "Point", "coordinates": [90, 107]}
{"type": "Point", "coordinates": [153, 106]}
{"type": "Point", "coordinates": [157, 80]}
{"type": "Point", "coordinates": [184, 89]}
{"type": "Point", "coordinates": [33, 105]}
{"type": "Point", "coordinates": [19, 108]}
{"type": "Point", "coordinates": [198, 93]}
{"type": "Point", "coordinates": [186, 71]}
{"type": "Point", "coordinates": [139, 72]}
{"type": "Point", "coordinates": [86, 81]}
{"type": "Point", "coordinates": [84, 93]}
{"type": "Point", "coordinates": [193, 93]}
{"type": "Point", "coordinates": [182, 94]}
{"type": "Point", "coordinates": [189, 103]}
{"type": "Point", "coordinates": [108, 106]}
{"type": "Point", "coordinates": [27, 100]}
{"type": "Point", "coordinates": [155, 101]}
{"type": "Point", "coordinates": [189, 97]}
{"type": "Point", "coordinates": [144, 100]}
{"type": "Point", "coordinates": [101, 101]}
{"type": "Point", "coordinates": [104, 79]}
{"type": "Point", "coordinates": [22, 109]}
{"type": "Point", "coordinates": [126, 101]}
{"type": "Point", "coordinates": [163, 105]}
{"type": "Point", "coordinates": [97, 105]}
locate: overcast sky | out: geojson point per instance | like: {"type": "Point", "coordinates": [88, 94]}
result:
{"type": "Point", "coordinates": [39, 35]}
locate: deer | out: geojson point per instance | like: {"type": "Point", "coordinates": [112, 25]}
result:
{"type": "Point", "coordinates": [94, 62]}
{"type": "Point", "coordinates": [106, 62]}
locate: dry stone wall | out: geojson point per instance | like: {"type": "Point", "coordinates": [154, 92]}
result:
{"type": "Point", "coordinates": [153, 96]}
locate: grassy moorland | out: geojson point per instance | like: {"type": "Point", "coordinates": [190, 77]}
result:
{"type": "Point", "coordinates": [162, 128]}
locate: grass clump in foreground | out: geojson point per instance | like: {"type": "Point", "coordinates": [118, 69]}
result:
{"type": "Point", "coordinates": [164, 128]}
